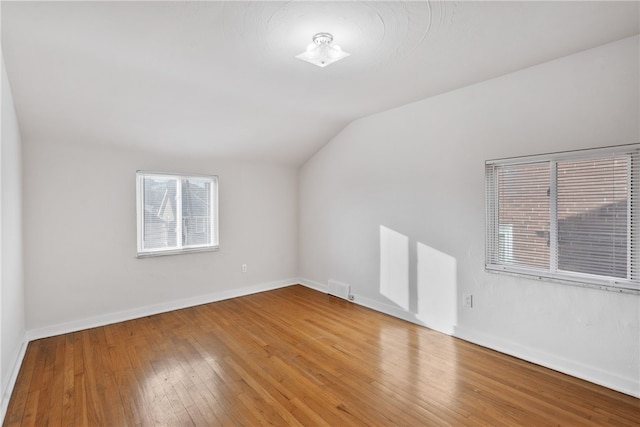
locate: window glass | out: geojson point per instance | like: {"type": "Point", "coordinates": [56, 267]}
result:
{"type": "Point", "coordinates": [176, 213]}
{"type": "Point", "coordinates": [566, 217]}
{"type": "Point", "coordinates": [523, 191]}
{"type": "Point", "coordinates": [593, 202]}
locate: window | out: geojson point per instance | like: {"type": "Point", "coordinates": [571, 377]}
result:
{"type": "Point", "coordinates": [568, 217]}
{"type": "Point", "coordinates": [176, 213]}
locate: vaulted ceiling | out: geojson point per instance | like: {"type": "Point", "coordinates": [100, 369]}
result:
{"type": "Point", "coordinates": [221, 78]}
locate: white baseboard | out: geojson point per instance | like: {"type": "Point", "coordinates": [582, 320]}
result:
{"type": "Point", "coordinates": [106, 319]}
{"type": "Point", "coordinates": [389, 309]}
{"type": "Point", "coordinates": [551, 361]}
{"type": "Point", "coordinates": [588, 373]}
{"type": "Point", "coordinates": [570, 367]}
{"type": "Point", "coordinates": [7, 389]}
{"type": "Point", "coordinates": [369, 303]}
{"type": "Point", "coordinates": [320, 287]}
{"type": "Point", "coordinates": [567, 366]}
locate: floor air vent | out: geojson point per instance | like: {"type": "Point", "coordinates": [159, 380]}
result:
{"type": "Point", "coordinates": [338, 289]}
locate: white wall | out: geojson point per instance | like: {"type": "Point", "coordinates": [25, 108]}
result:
{"type": "Point", "coordinates": [407, 185]}
{"type": "Point", "coordinates": [12, 308]}
{"type": "Point", "coordinates": [80, 240]}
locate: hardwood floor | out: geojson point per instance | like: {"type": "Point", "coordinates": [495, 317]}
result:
{"type": "Point", "coordinates": [292, 356]}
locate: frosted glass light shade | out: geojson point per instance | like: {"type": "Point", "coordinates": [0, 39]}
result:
{"type": "Point", "coordinates": [321, 52]}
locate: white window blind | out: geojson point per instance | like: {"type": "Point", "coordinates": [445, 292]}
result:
{"type": "Point", "coordinates": [176, 213]}
{"type": "Point", "coordinates": [565, 216]}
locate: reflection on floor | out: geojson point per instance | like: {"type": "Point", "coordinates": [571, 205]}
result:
{"type": "Point", "coordinates": [292, 356]}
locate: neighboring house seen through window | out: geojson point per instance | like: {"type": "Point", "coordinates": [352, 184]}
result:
{"type": "Point", "coordinates": [176, 213]}
{"type": "Point", "coordinates": [568, 217]}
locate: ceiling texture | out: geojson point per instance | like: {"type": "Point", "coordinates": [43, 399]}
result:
{"type": "Point", "coordinates": [221, 79]}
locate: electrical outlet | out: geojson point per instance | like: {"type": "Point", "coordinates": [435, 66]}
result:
{"type": "Point", "coordinates": [243, 268]}
{"type": "Point", "coordinates": [467, 300]}
{"type": "Point", "coordinates": [351, 297]}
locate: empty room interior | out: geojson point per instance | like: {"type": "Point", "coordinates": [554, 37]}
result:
{"type": "Point", "coordinates": [320, 213]}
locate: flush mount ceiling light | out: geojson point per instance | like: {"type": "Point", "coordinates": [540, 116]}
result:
{"type": "Point", "coordinates": [321, 52]}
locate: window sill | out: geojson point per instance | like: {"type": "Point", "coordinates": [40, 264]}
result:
{"type": "Point", "coordinates": [177, 251]}
{"type": "Point", "coordinates": [621, 288]}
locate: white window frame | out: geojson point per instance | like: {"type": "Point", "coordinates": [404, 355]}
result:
{"type": "Point", "coordinates": [213, 243]}
{"type": "Point", "coordinates": [494, 231]}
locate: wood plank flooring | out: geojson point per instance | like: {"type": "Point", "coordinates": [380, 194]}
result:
{"type": "Point", "coordinates": [292, 357]}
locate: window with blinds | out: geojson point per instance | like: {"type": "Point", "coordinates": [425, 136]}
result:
{"type": "Point", "coordinates": [176, 213]}
{"type": "Point", "coordinates": [567, 217]}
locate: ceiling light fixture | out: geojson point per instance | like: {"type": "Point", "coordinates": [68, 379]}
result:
{"type": "Point", "coordinates": [321, 52]}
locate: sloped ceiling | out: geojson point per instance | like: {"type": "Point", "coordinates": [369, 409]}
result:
{"type": "Point", "coordinates": [221, 78]}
